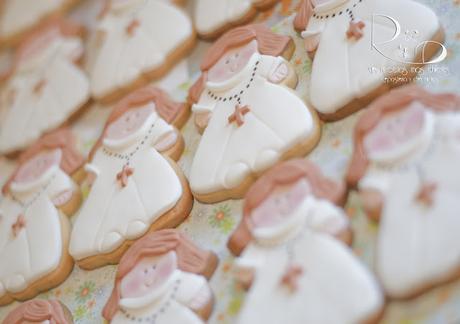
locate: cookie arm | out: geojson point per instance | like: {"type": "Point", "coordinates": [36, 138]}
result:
{"type": "Point", "coordinates": [371, 190]}
{"type": "Point", "coordinates": [330, 219]}
{"type": "Point", "coordinates": [312, 35]}
{"type": "Point", "coordinates": [195, 293]}
{"type": "Point", "coordinates": [72, 48]}
{"type": "Point", "coordinates": [247, 265]}
{"type": "Point", "coordinates": [165, 135]}
{"type": "Point", "coordinates": [203, 110]}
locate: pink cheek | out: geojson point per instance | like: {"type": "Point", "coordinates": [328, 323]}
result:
{"type": "Point", "coordinates": [134, 287]}
{"type": "Point", "coordinates": [381, 142]}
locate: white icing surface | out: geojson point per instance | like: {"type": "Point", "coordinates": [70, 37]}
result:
{"type": "Point", "coordinates": [18, 15]}
{"type": "Point", "coordinates": [227, 154]}
{"type": "Point", "coordinates": [26, 114]}
{"type": "Point", "coordinates": [420, 245]}
{"type": "Point", "coordinates": [37, 249]}
{"type": "Point", "coordinates": [210, 15]}
{"type": "Point", "coordinates": [341, 66]}
{"type": "Point", "coordinates": [177, 310]}
{"type": "Point", "coordinates": [117, 58]}
{"type": "Point", "coordinates": [112, 214]}
{"type": "Point", "coordinates": [333, 288]}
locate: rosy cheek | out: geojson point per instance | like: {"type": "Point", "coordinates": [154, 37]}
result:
{"type": "Point", "coordinates": [266, 215]}
{"type": "Point", "coordinates": [381, 143]}
{"type": "Point", "coordinates": [133, 287]}
{"type": "Point", "coordinates": [414, 123]}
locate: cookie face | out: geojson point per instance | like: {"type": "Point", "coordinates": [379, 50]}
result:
{"type": "Point", "coordinates": [36, 97]}
{"type": "Point", "coordinates": [153, 35]}
{"type": "Point", "coordinates": [130, 122]}
{"type": "Point", "coordinates": [37, 166]}
{"type": "Point", "coordinates": [408, 146]}
{"type": "Point", "coordinates": [33, 225]}
{"type": "Point", "coordinates": [39, 311]}
{"type": "Point", "coordinates": [232, 62]}
{"type": "Point", "coordinates": [132, 179]}
{"type": "Point", "coordinates": [212, 18]}
{"type": "Point", "coordinates": [148, 275]}
{"type": "Point", "coordinates": [396, 134]}
{"type": "Point", "coordinates": [280, 205]}
{"type": "Point", "coordinates": [375, 55]}
{"type": "Point", "coordinates": [288, 260]}
{"type": "Point", "coordinates": [242, 100]}
{"type": "Point", "coordinates": [162, 276]}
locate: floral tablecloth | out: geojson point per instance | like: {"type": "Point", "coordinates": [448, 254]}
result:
{"type": "Point", "coordinates": [85, 293]}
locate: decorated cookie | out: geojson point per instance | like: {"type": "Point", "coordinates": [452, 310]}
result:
{"type": "Point", "coordinates": [135, 186]}
{"type": "Point", "coordinates": [45, 88]}
{"type": "Point", "coordinates": [18, 17]}
{"type": "Point", "coordinates": [213, 17]}
{"type": "Point", "coordinates": [34, 231]}
{"type": "Point", "coordinates": [251, 118]}
{"type": "Point", "coordinates": [162, 279]}
{"type": "Point", "coordinates": [292, 256]}
{"type": "Point", "coordinates": [405, 165]}
{"type": "Point", "coordinates": [136, 41]}
{"type": "Point", "coordinates": [362, 48]}
{"type": "Point", "coordinates": [40, 311]}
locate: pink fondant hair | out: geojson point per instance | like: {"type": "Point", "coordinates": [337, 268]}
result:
{"type": "Point", "coordinates": [37, 311]}
{"type": "Point", "coordinates": [285, 173]}
{"type": "Point", "coordinates": [190, 258]}
{"type": "Point", "coordinates": [164, 106]}
{"type": "Point", "coordinates": [303, 15]}
{"type": "Point", "coordinates": [63, 139]}
{"type": "Point", "coordinates": [393, 101]}
{"type": "Point", "coordinates": [269, 43]}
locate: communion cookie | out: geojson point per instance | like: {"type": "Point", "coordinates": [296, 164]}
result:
{"type": "Point", "coordinates": [362, 48]}
{"type": "Point", "coordinates": [135, 42]}
{"type": "Point", "coordinates": [252, 118]}
{"type": "Point", "coordinates": [18, 17]}
{"type": "Point", "coordinates": [162, 279]}
{"type": "Point", "coordinates": [405, 165]}
{"type": "Point", "coordinates": [40, 311]}
{"type": "Point", "coordinates": [34, 229]}
{"type": "Point", "coordinates": [45, 88]}
{"type": "Point", "coordinates": [136, 187]}
{"type": "Point", "coordinates": [293, 259]}
{"type": "Point", "coordinates": [214, 17]}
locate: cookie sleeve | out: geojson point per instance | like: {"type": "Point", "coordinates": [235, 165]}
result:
{"type": "Point", "coordinates": [251, 258]}
{"type": "Point", "coordinates": [160, 128]}
{"type": "Point", "coordinates": [61, 183]}
{"type": "Point", "coordinates": [315, 27]}
{"type": "Point", "coordinates": [328, 218]}
{"type": "Point", "coordinates": [205, 104]}
{"type": "Point", "coordinates": [268, 65]}
{"type": "Point", "coordinates": [375, 179]}
{"type": "Point", "coordinates": [92, 168]}
{"type": "Point", "coordinates": [72, 48]}
{"type": "Point", "coordinates": [190, 288]}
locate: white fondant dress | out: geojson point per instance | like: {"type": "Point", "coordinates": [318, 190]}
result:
{"type": "Point", "coordinates": [45, 90]}
{"type": "Point", "coordinates": [346, 69]}
{"type": "Point", "coordinates": [120, 57]}
{"type": "Point", "coordinates": [419, 245]}
{"type": "Point", "coordinates": [334, 287]}
{"type": "Point", "coordinates": [37, 249]}
{"type": "Point", "coordinates": [277, 120]}
{"type": "Point", "coordinates": [112, 213]}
